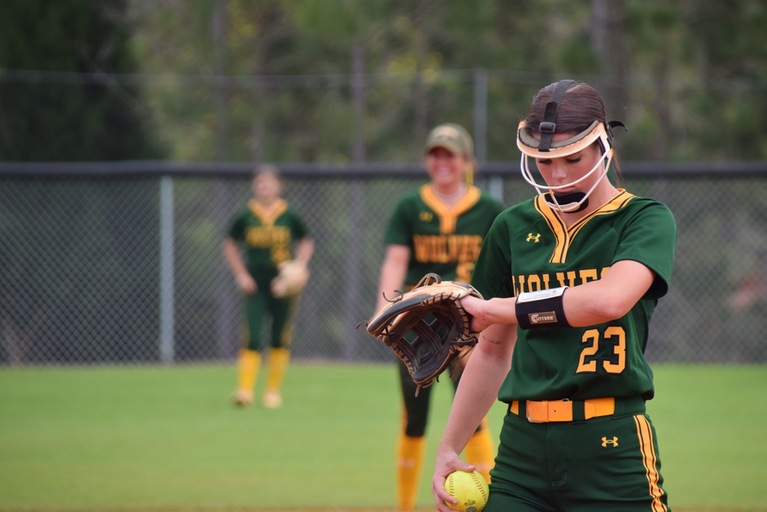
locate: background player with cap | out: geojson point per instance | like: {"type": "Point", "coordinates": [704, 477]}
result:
{"type": "Point", "coordinates": [272, 233]}
{"type": "Point", "coordinates": [438, 228]}
{"type": "Point", "coordinates": [570, 280]}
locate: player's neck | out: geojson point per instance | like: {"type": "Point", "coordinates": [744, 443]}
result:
{"type": "Point", "coordinates": [267, 202]}
{"type": "Point", "coordinates": [450, 194]}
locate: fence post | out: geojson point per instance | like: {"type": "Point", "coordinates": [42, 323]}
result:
{"type": "Point", "coordinates": [167, 270]}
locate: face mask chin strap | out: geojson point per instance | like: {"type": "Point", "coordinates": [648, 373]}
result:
{"type": "Point", "coordinates": [571, 202]}
{"type": "Point", "coordinates": [567, 203]}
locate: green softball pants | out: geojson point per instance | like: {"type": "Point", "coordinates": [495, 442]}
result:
{"type": "Point", "coordinates": [608, 463]}
{"type": "Point", "coordinates": [262, 308]}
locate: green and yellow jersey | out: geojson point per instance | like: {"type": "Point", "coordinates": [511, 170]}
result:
{"type": "Point", "coordinates": [530, 248]}
{"type": "Point", "coordinates": [442, 239]}
{"type": "Point", "coordinates": [267, 235]}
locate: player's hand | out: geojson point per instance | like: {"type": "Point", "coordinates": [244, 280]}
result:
{"type": "Point", "coordinates": [246, 284]}
{"type": "Point", "coordinates": [447, 462]}
{"type": "Point", "coordinates": [477, 309]}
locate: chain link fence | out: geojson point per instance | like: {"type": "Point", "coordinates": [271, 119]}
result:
{"type": "Point", "coordinates": [121, 263]}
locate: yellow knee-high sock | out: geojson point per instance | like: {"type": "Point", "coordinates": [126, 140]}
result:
{"type": "Point", "coordinates": [277, 365]}
{"type": "Point", "coordinates": [248, 363]}
{"type": "Point", "coordinates": [480, 451]}
{"type": "Point", "coordinates": [410, 452]}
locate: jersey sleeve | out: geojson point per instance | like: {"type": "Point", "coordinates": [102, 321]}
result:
{"type": "Point", "coordinates": [650, 239]}
{"type": "Point", "coordinates": [237, 227]}
{"type": "Point", "coordinates": [492, 270]}
{"type": "Point", "coordinates": [298, 226]}
{"type": "Point", "coordinates": [399, 230]}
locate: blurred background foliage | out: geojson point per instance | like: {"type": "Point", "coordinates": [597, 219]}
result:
{"type": "Point", "coordinates": [341, 92]}
{"type": "Point", "coordinates": [363, 80]}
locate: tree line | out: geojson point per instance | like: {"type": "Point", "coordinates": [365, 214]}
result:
{"type": "Point", "coordinates": [363, 80]}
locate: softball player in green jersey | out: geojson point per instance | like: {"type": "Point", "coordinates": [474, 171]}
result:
{"type": "Point", "coordinates": [269, 230]}
{"type": "Point", "coordinates": [436, 228]}
{"type": "Point", "coordinates": [570, 280]}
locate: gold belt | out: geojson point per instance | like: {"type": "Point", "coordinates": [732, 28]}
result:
{"type": "Point", "coordinates": [548, 411]}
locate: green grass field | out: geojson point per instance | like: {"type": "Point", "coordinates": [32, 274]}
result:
{"type": "Point", "coordinates": [168, 439]}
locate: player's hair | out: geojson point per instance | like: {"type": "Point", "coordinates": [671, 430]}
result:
{"type": "Point", "coordinates": [581, 105]}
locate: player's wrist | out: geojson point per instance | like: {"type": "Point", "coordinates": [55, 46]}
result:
{"type": "Point", "coordinates": [543, 308]}
{"type": "Point", "coordinates": [499, 311]}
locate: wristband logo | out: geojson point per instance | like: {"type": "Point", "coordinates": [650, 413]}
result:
{"type": "Point", "coordinates": [543, 317]}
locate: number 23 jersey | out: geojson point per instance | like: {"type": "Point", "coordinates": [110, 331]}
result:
{"type": "Point", "coordinates": [530, 248]}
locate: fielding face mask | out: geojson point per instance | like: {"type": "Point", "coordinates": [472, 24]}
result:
{"type": "Point", "coordinates": [546, 148]}
{"type": "Point", "coordinates": [530, 148]}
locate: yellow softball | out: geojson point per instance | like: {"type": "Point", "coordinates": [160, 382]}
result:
{"type": "Point", "coordinates": [470, 489]}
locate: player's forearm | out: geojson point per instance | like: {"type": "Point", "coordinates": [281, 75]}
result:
{"type": "Point", "coordinates": [476, 394]}
{"type": "Point", "coordinates": [233, 258]}
{"type": "Point", "coordinates": [610, 297]}
{"type": "Point", "coordinates": [392, 279]}
{"type": "Point", "coordinates": [305, 250]}
{"type": "Point", "coordinates": [582, 307]}
{"type": "Point", "coordinates": [498, 311]}
{"type": "Point", "coordinates": [393, 272]}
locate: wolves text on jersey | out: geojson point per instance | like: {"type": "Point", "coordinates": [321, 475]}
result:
{"type": "Point", "coordinates": [446, 248]}
{"type": "Point", "coordinates": [275, 238]}
{"type": "Point", "coordinates": [544, 281]}
{"type": "Point", "coordinates": [267, 236]}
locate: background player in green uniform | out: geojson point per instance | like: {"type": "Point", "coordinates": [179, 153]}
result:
{"type": "Point", "coordinates": [571, 279]}
{"type": "Point", "coordinates": [438, 227]}
{"type": "Point", "coordinates": [269, 230]}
